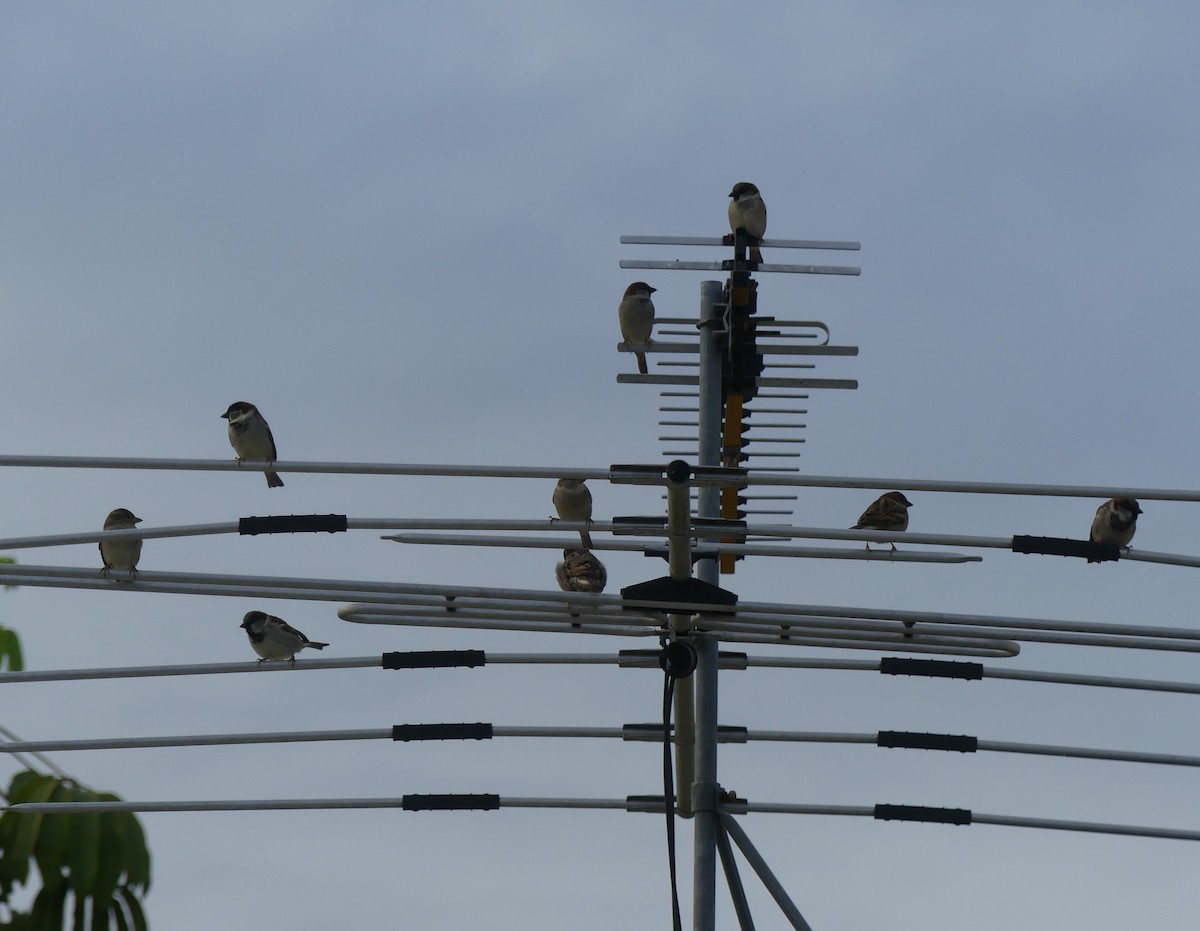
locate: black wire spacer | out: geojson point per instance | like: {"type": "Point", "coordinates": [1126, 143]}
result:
{"type": "Point", "coordinates": [935, 668]}
{"type": "Point", "coordinates": [922, 813]}
{"type": "Point", "coordinates": [450, 802]}
{"type": "Point", "coordinates": [433, 659]}
{"type": "Point", "coordinates": [963, 743]}
{"type": "Point", "coordinates": [293, 523]}
{"type": "Point", "coordinates": [1063, 546]}
{"type": "Point", "coordinates": [480, 731]}
{"type": "Point", "coordinates": [678, 659]}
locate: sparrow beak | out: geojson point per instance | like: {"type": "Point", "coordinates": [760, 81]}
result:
{"type": "Point", "coordinates": [225, 416]}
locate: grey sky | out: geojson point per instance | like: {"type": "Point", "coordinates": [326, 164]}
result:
{"type": "Point", "coordinates": [395, 229]}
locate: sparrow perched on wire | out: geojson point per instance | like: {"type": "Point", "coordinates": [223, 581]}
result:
{"type": "Point", "coordinates": [581, 571]}
{"type": "Point", "coordinates": [251, 438]}
{"type": "Point", "coordinates": [888, 512]}
{"type": "Point", "coordinates": [120, 554]}
{"type": "Point", "coordinates": [273, 638]}
{"type": "Point", "coordinates": [573, 501]}
{"type": "Point", "coordinates": [636, 314]}
{"type": "Point", "coordinates": [748, 212]}
{"type": "Point", "coordinates": [1115, 523]}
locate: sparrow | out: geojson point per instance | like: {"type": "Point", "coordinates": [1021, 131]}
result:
{"type": "Point", "coordinates": [636, 314]}
{"type": "Point", "coordinates": [748, 212]}
{"type": "Point", "coordinates": [580, 571]}
{"type": "Point", "coordinates": [250, 437]}
{"type": "Point", "coordinates": [120, 554]}
{"type": "Point", "coordinates": [1115, 523]}
{"type": "Point", "coordinates": [273, 638]}
{"type": "Point", "coordinates": [888, 512]}
{"type": "Point", "coordinates": [573, 501]}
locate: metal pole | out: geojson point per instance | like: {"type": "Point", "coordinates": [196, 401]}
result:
{"type": "Point", "coordinates": [736, 890]}
{"type": "Point", "coordinates": [679, 522]}
{"type": "Point", "coordinates": [704, 789]}
{"type": "Point", "coordinates": [754, 858]}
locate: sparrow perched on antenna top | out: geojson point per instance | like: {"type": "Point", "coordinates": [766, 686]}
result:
{"type": "Point", "coordinates": [888, 512]}
{"type": "Point", "coordinates": [120, 554]}
{"type": "Point", "coordinates": [273, 638]}
{"type": "Point", "coordinates": [251, 438]}
{"type": "Point", "coordinates": [1115, 523]}
{"type": "Point", "coordinates": [573, 501]}
{"type": "Point", "coordinates": [748, 212]}
{"type": "Point", "coordinates": [636, 314]}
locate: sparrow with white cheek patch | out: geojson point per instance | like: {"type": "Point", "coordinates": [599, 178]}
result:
{"type": "Point", "coordinates": [251, 438]}
{"type": "Point", "coordinates": [573, 501]}
{"type": "Point", "coordinates": [888, 512]}
{"type": "Point", "coordinates": [636, 315]}
{"type": "Point", "coordinates": [120, 554]}
{"type": "Point", "coordinates": [748, 212]}
{"type": "Point", "coordinates": [273, 638]}
{"type": "Point", "coordinates": [1115, 523]}
{"type": "Point", "coordinates": [581, 571]}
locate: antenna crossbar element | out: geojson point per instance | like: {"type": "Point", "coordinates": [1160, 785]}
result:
{"type": "Point", "coordinates": [769, 349]}
{"type": "Point", "coordinates": [720, 241]}
{"type": "Point", "coordinates": [637, 379]}
{"type": "Point", "coordinates": [727, 266]}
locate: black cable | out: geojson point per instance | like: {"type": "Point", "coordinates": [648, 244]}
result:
{"type": "Point", "coordinates": [669, 795]}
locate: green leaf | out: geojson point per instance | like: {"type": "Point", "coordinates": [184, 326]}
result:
{"type": "Point", "coordinates": [79, 914]}
{"type": "Point", "coordinates": [83, 852]}
{"type": "Point", "coordinates": [136, 915]}
{"type": "Point", "coordinates": [49, 907]}
{"type": "Point", "coordinates": [14, 864]}
{"type": "Point", "coordinates": [118, 911]}
{"type": "Point", "coordinates": [51, 847]}
{"type": "Point", "coordinates": [136, 856]}
{"type": "Point", "coordinates": [23, 783]}
{"type": "Point", "coordinates": [10, 650]}
{"type": "Point", "coordinates": [100, 913]}
{"type": "Point", "coordinates": [112, 858]}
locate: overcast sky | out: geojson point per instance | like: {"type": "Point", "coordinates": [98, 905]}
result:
{"type": "Point", "coordinates": [394, 227]}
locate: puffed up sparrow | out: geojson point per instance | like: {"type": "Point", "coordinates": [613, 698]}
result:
{"type": "Point", "coordinates": [888, 512]}
{"type": "Point", "coordinates": [748, 212]}
{"type": "Point", "coordinates": [120, 554]}
{"type": "Point", "coordinates": [1115, 523]}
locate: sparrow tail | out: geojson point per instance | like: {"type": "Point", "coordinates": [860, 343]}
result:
{"type": "Point", "coordinates": [642, 367]}
{"type": "Point", "coordinates": [316, 646]}
{"type": "Point", "coordinates": [755, 254]}
{"type": "Point", "coordinates": [273, 480]}
{"type": "Point", "coordinates": [586, 539]}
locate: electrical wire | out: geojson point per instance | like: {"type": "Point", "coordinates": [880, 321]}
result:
{"type": "Point", "coordinates": [669, 795]}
